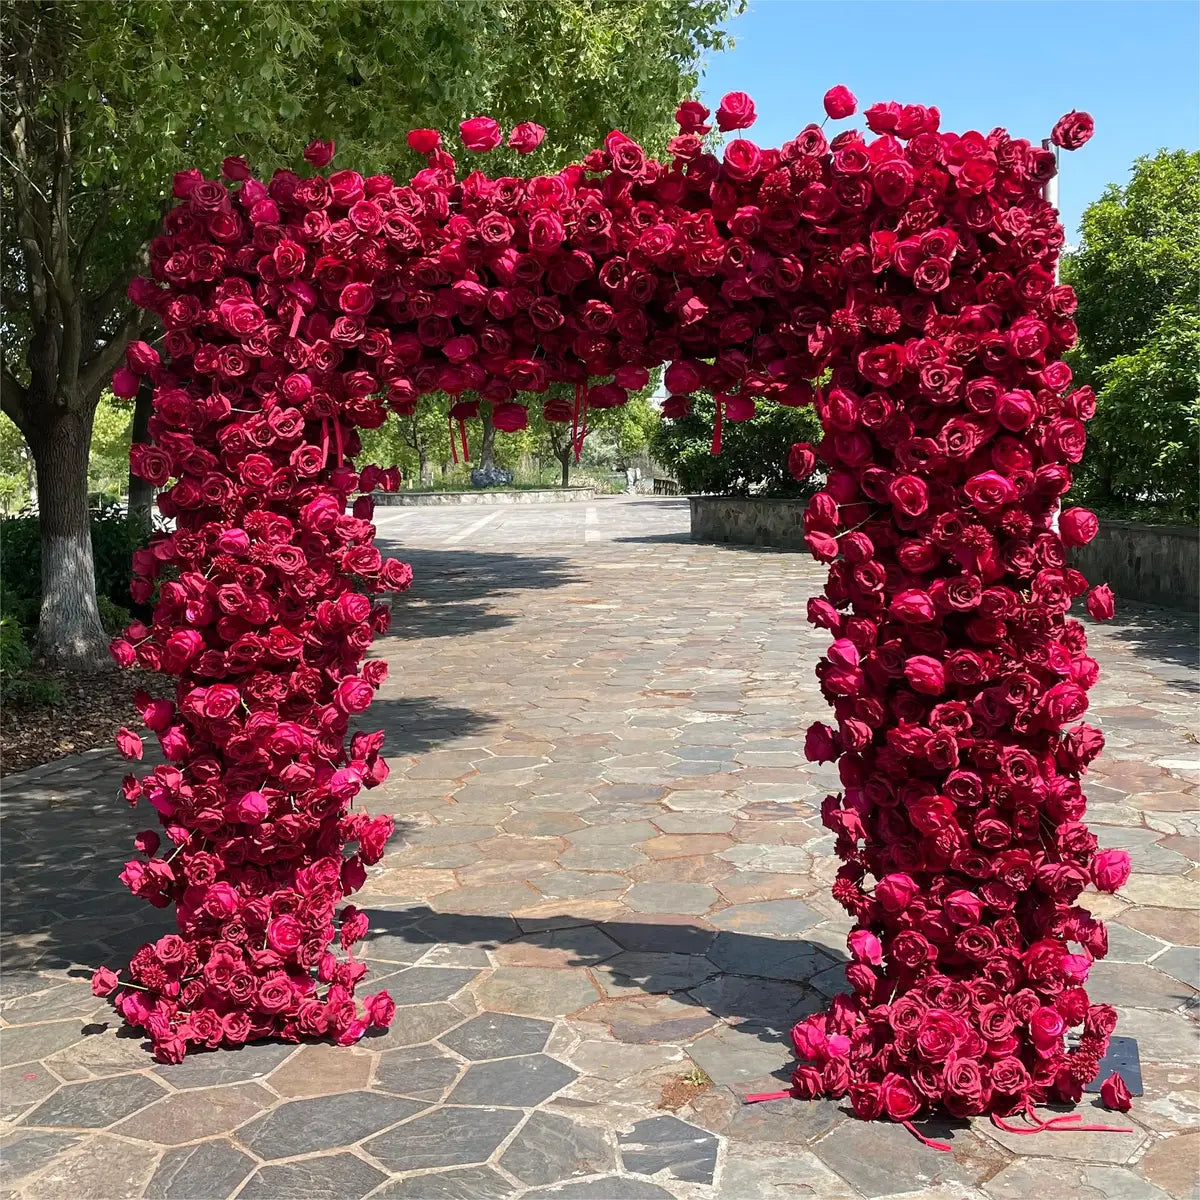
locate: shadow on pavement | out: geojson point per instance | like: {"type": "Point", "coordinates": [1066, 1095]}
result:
{"type": "Point", "coordinates": [759, 984]}
{"type": "Point", "coordinates": [454, 591]}
{"type": "Point", "coordinates": [1168, 639]}
{"type": "Point", "coordinates": [67, 835]}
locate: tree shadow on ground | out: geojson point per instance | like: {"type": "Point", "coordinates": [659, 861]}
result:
{"type": "Point", "coordinates": [756, 985]}
{"type": "Point", "coordinates": [67, 834]}
{"type": "Point", "coordinates": [1167, 639]}
{"type": "Point", "coordinates": [455, 591]}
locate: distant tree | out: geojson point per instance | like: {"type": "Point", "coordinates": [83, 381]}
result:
{"type": "Point", "coordinates": [102, 102]}
{"type": "Point", "coordinates": [1136, 274]}
{"type": "Point", "coordinates": [754, 453]}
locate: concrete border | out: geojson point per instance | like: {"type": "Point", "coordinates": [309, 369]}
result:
{"type": "Point", "coordinates": [483, 496]}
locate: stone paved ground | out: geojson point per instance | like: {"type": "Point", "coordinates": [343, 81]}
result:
{"type": "Point", "coordinates": [610, 887]}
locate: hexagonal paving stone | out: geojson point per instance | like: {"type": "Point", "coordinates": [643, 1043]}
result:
{"type": "Point", "coordinates": [210, 1171]}
{"type": "Point", "coordinates": [575, 946]}
{"type": "Point", "coordinates": [98, 1169]}
{"type": "Point", "coordinates": [188, 1116]}
{"type": "Point", "coordinates": [521, 1082]}
{"type": "Point", "coordinates": [23, 1086]}
{"type": "Point", "coordinates": [343, 1175]}
{"type": "Point", "coordinates": [321, 1069]}
{"type": "Point", "coordinates": [28, 1043]}
{"type": "Point", "coordinates": [252, 1061]}
{"type": "Point", "coordinates": [774, 918]}
{"type": "Point", "coordinates": [551, 1148]}
{"type": "Point", "coordinates": [671, 897]}
{"type": "Point", "coordinates": [689, 1154]}
{"type": "Point", "coordinates": [498, 1035]}
{"type": "Point", "coordinates": [323, 1123]}
{"type": "Point", "coordinates": [1181, 962]}
{"type": "Point", "coordinates": [96, 1104]}
{"type": "Point", "coordinates": [444, 1137]}
{"type": "Point", "coordinates": [1133, 986]}
{"type": "Point", "coordinates": [536, 991]}
{"type": "Point", "coordinates": [766, 1002]}
{"type": "Point", "coordinates": [414, 1025]}
{"type": "Point", "coordinates": [562, 884]}
{"type": "Point", "coordinates": [468, 1183]}
{"type": "Point", "coordinates": [422, 985]}
{"type": "Point", "coordinates": [29, 1150]}
{"type": "Point", "coordinates": [665, 933]}
{"type": "Point", "coordinates": [641, 1019]}
{"type": "Point", "coordinates": [1051, 1177]}
{"type": "Point", "coordinates": [498, 898]}
{"type": "Point", "coordinates": [421, 1072]}
{"type": "Point", "coordinates": [610, 1187]}
{"type": "Point", "coordinates": [874, 1156]}
{"type": "Point", "coordinates": [767, 958]}
{"type": "Point", "coordinates": [630, 973]}
{"type": "Point", "coordinates": [1171, 1165]}
{"type": "Point", "coordinates": [1126, 945]}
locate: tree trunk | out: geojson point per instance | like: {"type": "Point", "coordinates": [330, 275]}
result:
{"type": "Point", "coordinates": [424, 471]}
{"type": "Point", "coordinates": [565, 459]}
{"type": "Point", "coordinates": [141, 493]}
{"type": "Point", "coordinates": [69, 629]}
{"type": "Point", "coordinates": [487, 455]}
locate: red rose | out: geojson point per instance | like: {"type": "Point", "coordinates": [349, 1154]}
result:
{"type": "Point", "coordinates": [840, 102]}
{"type": "Point", "coordinates": [526, 137]}
{"type": "Point", "coordinates": [1115, 1094]}
{"type": "Point", "coordinates": [1073, 130]}
{"type": "Point", "coordinates": [1100, 604]}
{"type": "Point", "coordinates": [480, 134]}
{"type": "Point", "coordinates": [900, 1100]}
{"type": "Point", "coordinates": [319, 153]}
{"type": "Point", "coordinates": [690, 116]}
{"type": "Point", "coordinates": [424, 141]}
{"type": "Point", "coordinates": [1078, 526]}
{"type": "Point", "coordinates": [736, 111]}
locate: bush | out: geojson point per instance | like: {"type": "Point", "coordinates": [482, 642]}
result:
{"type": "Point", "coordinates": [16, 687]}
{"type": "Point", "coordinates": [114, 539]}
{"type": "Point", "coordinates": [754, 453]}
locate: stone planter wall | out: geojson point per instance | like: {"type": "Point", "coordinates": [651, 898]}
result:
{"type": "Point", "coordinates": [484, 496]}
{"type": "Point", "coordinates": [1156, 564]}
{"type": "Point", "coordinates": [748, 521]}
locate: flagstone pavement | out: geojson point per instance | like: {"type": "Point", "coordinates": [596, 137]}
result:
{"type": "Point", "coordinates": [606, 903]}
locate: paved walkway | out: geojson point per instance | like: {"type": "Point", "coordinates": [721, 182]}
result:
{"type": "Point", "coordinates": [607, 904]}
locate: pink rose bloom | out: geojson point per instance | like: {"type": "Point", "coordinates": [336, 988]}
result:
{"type": "Point", "coordinates": [526, 137]}
{"type": "Point", "coordinates": [1110, 870]}
{"type": "Point", "coordinates": [104, 982]}
{"type": "Point", "coordinates": [424, 141]}
{"type": "Point", "coordinates": [1078, 526]}
{"type": "Point", "coordinates": [381, 1008]}
{"type": "Point", "coordinates": [128, 742]}
{"type": "Point", "coordinates": [480, 134]}
{"type": "Point", "coordinates": [125, 383]}
{"type": "Point", "coordinates": [865, 947]}
{"type": "Point", "coordinates": [896, 892]}
{"type": "Point", "coordinates": [926, 675]}
{"type": "Point", "coordinates": [319, 153]}
{"type": "Point", "coordinates": [1100, 604]}
{"type": "Point", "coordinates": [1073, 130]}
{"type": "Point", "coordinates": [253, 808]}
{"type": "Point", "coordinates": [1115, 1094]}
{"type": "Point", "coordinates": [840, 102]}
{"type": "Point", "coordinates": [1047, 1026]}
{"type": "Point", "coordinates": [736, 111]}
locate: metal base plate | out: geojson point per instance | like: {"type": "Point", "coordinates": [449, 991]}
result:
{"type": "Point", "coordinates": [1123, 1058]}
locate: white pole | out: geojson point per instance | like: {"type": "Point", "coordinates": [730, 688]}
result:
{"type": "Point", "coordinates": [1050, 191]}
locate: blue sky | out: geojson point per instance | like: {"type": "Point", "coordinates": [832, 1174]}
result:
{"type": "Point", "coordinates": [1133, 64]}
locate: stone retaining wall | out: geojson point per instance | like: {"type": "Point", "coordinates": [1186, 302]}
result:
{"type": "Point", "coordinates": [484, 496]}
{"type": "Point", "coordinates": [1156, 564]}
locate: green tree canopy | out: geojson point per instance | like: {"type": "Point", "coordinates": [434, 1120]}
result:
{"type": "Point", "coordinates": [103, 102]}
{"type": "Point", "coordinates": [1136, 275]}
{"type": "Point", "coordinates": [754, 453]}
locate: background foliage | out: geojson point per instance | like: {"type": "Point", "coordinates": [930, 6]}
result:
{"type": "Point", "coordinates": [1136, 274]}
{"type": "Point", "coordinates": [754, 453]}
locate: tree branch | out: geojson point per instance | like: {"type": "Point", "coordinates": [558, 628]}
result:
{"type": "Point", "coordinates": [14, 399]}
{"type": "Point", "coordinates": [104, 362]}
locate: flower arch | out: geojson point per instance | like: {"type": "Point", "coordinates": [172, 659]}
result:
{"type": "Point", "coordinates": [902, 281]}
